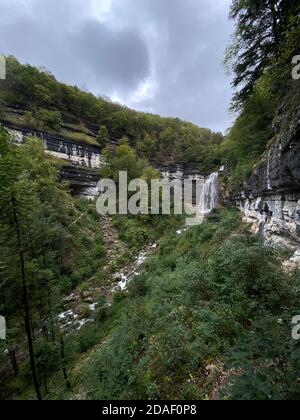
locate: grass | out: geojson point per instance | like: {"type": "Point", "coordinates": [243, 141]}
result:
{"type": "Point", "coordinates": [77, 134]}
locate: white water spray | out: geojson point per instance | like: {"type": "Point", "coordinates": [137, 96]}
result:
{"type": "Point", "coordinates": [209, 196]}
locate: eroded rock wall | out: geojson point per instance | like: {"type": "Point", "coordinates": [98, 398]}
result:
{"type": "Point", "coordinates": [270, 198]}
{"type": "Point", "coordinates": [75, 151]}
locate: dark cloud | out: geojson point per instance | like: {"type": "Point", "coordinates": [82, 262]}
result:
{"type": "Point", "coordinates": [163, 56]}
{"type": "Point", "coordinates": [115, 60]}
{"type": "Point", "coordinates": [77, 48]}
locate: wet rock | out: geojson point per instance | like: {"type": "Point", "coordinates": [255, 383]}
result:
{"type": "Point", "coordinates": [83, 311]}
{"type": "Point", "coordinates": [116, 277]}
{"type": "Point", "coordinates": [88, 300]}
{"type": "Point", "coordinates": [71, 298]}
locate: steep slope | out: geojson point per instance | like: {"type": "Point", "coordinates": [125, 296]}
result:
{"type": "Point", "coordinates": [32, 98]}
{"type": "Point", "coordinates": [271, 195]}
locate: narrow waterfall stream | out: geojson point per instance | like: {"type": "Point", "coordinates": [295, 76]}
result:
{"type": "Point", "coordinates": [71, 321]}
{"type": "Point", "coordinates": [209, 196]}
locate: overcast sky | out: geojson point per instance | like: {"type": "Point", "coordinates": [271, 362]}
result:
{"type": "Point", "coordinates": [161, 56]}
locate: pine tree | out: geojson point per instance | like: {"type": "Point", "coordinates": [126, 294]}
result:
{"type": "Point", "coordinates": [102, 136]}
{"type": "Point", "coordinates": [32, 233]}
{"type": "Point", "coordinates": [261, 30]}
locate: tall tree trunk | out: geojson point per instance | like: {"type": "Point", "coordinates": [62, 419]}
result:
{"type": "Point", "coordinates": [50, 315]}
{"type": "Point", "coordinates": [42, 310]}
{"type": "Point", "coordinates": [25, 303]}
{"type": "Point", "coordinates": [45, 383]}
{"type": "Point", "coordinates": [61, 258]}
{"type": "Point", "coordinates": [63, 360]}
{"type": "Point", "coordinates": [13, 361]}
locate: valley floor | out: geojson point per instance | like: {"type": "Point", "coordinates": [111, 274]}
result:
{"type": "Point", "coordinates": [206, 318]}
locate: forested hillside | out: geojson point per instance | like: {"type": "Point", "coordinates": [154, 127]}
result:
{"type": "Point", "coordinates": [141, 306]}
{"type": "Point", "coordinates": [53, 245]}
{"type": "Point", "coordinates": [53, 106]}
{"type": "Point", "coordinates": [50, 243]}
{"type": "Point", "coordinates": [265, 42]}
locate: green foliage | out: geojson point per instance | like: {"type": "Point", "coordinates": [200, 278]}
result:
{"type": "Point", "coordinates": [266, 39]}
{"type": "Point", "coordinates": [137, 231]}
{"type": "Point", "coordinates": [213, 294]}
{"type": "Point", "coordinates": [88, 337]}
{"type": "Point", "coordinates": [102, 137]}
{"type": "Point", "coordinates": [124, 158]}
{"type": "Point", "coordinates": [268, 360]}
{"type": "Point", "coordinates": [50, 119]}
{"type": "Point", "coordinates": [248, 138]}
{"type": "Point", "coordinates": [48, 102]}
{"type": "Point", "coordinates": [102, 310]}
{"type": "Point", "coordinates": [49, 244]}
{"type": "Point", "coordinates": [43, 119]}
{"type": "Point", "coordinates": [262, 29]}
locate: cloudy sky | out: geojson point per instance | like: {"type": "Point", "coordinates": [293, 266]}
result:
{"type": "Point", "coordinates": [161, 56]}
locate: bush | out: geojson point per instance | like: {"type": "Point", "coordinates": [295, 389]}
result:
{"type": "Point", "coordinates": [88, 337]}
{"type": "Point", "coordinates": [102, 310]}
{"type": "Point", "coordinates": [50, 119]}
{"type": "Point", "coordinates": [138, 286]}
{"type": "Point", "coordinates": [218, 301]}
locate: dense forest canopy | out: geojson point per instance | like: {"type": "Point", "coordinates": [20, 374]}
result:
{"type": "Point", "coordinates": [263, 29]}
{"type": "Point", "coordinates": [166, 140]}
{"type": "Point", "coordinates": [260, 57]}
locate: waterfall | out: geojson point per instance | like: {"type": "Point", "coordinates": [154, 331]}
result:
{"type": "Point", "coordinates": [209, 195]}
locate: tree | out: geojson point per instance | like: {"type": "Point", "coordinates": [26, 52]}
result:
{"type": "Point", "coordinates": [168, 141]}
{"type": "Point", "coordinates": [102, 136]}
{"type": "Point", "coordinates": [48, 102]}
{"type": "Point", "coordinates": [250, 134]}
{"type": "Point", "coordinates": [146, 147]}
{"type": "Point", "coordinates": [50, 119]}
{"type": "Point", "coordinates": [260, 33]}
{"type": "Point", "coordinates": [118, 123]}
{"type": "Point", "coordinates": [31, 229]}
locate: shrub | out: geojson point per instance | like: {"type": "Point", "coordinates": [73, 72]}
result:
{"type": "Point", "coordinates": [51, 119]}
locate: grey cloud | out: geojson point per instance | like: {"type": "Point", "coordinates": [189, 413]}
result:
{"type": "Point", "coordinates": [177, 45]}
{"type": "Point", "coordinates": [82, 51]}
{"type": "Point", "coordinates": [188, 54]}
{"type": "Point", "coordinates": [115, 60]}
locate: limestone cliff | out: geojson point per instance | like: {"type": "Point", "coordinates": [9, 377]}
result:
{"type": "Point", "coordinates": [270, 198]}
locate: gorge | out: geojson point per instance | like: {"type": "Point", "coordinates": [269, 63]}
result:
{"type": "Point", "coordinates": [141, 303]}
{"type": "Point", "coordinates": [270, 198]}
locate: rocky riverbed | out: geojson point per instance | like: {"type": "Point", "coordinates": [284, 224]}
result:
{"type": "Point", "coordinates": [80, 307]}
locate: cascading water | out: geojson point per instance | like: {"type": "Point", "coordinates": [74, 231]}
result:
{"type": "Point", "coordinates": [209, 196]}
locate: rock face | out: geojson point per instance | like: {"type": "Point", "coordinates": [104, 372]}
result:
{"type": "Point", "coordinates": [83, 182]}
{"type": "Point", "coordinates": [76, 152]}
{"type": "Point", "coordinates": [271, 196]}
{"type": "Point", "coordinates": [276, 217]}
{"type": "Point", "coordinates": [84, 160]}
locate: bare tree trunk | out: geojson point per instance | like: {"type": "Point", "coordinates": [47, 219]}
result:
{"type": "Point", "coordinates": [25, 304]}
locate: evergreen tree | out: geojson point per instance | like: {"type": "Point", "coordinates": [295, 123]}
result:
{"type": "Point", "coordinates": [102, 136]}
{"type": "Point", "coordinates": [32, 226]}
{"type": "Point", "coordinates": [261, 31]}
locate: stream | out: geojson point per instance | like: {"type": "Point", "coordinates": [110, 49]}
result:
{"type": "Point", "coordinates": [69, 320]}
